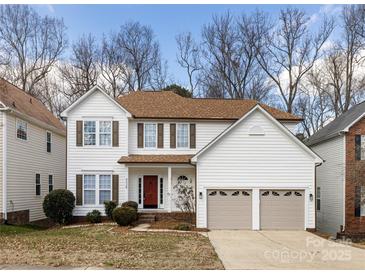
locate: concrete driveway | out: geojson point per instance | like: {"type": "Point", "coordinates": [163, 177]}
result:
{"type": "Point", "coordinates": [283, 250]}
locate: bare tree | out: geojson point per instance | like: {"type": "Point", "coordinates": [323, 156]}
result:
{"type": "Point", "coordinates": [30, 45]}
{"type": "Point", "coordinates": [142, 53]}
{"type": "Point", "coordinates": [230, 66]}
{"type": "Point", "coordinates": [113, 70]}
{"type": "Point", "coordinates": [290, 51]}
{"type": "Point", "coordinates": [82, 71]}
{"type": "Point", "coordinates": [188, 57]}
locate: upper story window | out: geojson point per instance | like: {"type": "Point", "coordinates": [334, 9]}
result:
{"type": "Point", "coordinates": [182, 135]}
{"type": "Point", "coordinates": [360, 147]}
{"type": "Point", "coordinates": [21, 129]}
{"type": "Point", "coordinates": [89, 133]}
{"type": "Point", "coordinates": [150, 135]}
{"type": "Point", "coordinates": [49, 141]}
{"type": "Point", "coordinates": [105, 133]}
{"type": "Point", "coordinates": [97, 133]}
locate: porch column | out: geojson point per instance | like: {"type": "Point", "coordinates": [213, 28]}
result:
{"type": "Point", "coordinates": [169, 190]}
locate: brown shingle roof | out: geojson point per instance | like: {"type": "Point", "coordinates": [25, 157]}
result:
{"type": "Point", "coordinates": [22, 102]}
{"type": "Point", "coordinates": [156, 159]}
{"type": "Point", "coordinates": [167, 104]}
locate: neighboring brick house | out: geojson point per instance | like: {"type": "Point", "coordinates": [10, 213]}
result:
{"type": "Point", "coordinates": [340, 180]}
{"type": "Point", "coordinates": [32, 155]}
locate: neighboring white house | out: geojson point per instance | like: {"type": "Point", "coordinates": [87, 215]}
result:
{"type": "Point", "coordinates": [248, 169]}
{"type": "Point", "coordinates": [32, 155]}
{"type": "Point", "coordinates": [340, 179]}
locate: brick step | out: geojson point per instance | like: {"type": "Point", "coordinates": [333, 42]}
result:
{"type": "Point", "coordinates": [146, 218]}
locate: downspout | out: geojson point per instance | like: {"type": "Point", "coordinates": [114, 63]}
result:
{"type": "Point", "coordinates": [4, 169]}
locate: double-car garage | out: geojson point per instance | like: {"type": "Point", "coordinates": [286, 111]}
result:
{"type": "Point", "coordinates": [233, 209]}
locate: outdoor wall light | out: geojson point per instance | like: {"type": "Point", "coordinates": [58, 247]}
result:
{"type": "Point", "coordinates": [200, 195]}
{"type": "Point", "coordinates": [311, 197]}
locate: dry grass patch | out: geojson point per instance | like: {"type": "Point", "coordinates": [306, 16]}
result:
{"type": "Point", "coordinates": [172, 224]}
{"type": "Point", "coordinates": [103, 246]}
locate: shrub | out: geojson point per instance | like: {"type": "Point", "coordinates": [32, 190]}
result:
{"type": "Point", "coordinates": [183, 226]}
{"type": "Point", "coordinates": [94, 216]}
{"type": "Point", "coordinates": [124, 215]}
{"type": "Point", "coordinates": [58, 205]}
{"type": "Point", "coordinates": [109, 207]}
{"type": "Point", "coordinates": [130, 204]}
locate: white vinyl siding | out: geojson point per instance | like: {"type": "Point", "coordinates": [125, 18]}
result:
{"type": "Point", "coordinates": [271, 161]}
{"type": "Point", "coordinates": [100, 159]}
{"type": "Point", "coordinates": [330, 178]}
{"type": "Point", "coordinates": [1, 160]}
{"type": "Point", "coordinates": [206, 131]}
{"type": "Point", "coordinates": [24, 160]}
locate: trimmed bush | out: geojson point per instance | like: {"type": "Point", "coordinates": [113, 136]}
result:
{"type": "Point", "coordinates": [58, 205]}
{"type": "Point", "coordinates": [124, 215]}
{"type": "Point", "coordinates": [94, 216]}
{"type": "Point", "coordinates": [109, 207]}
{"type": "Point", "coordinates": [183, 226]}
{"type": "Point", "coordinates": [131, 204]}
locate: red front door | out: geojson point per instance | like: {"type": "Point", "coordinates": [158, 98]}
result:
{"type": "Point", "coordinates": [150, 191]}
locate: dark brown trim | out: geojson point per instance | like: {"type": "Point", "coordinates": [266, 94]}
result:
{"type": "Point", "coordinates": [115, 194]}
{"type": "Point", "coordinates": [192, 136]}
{"type": "Point", "coordinates": [140, 129]}
{"type": "Point", "coordinates": [115, 133]}
{"type": "Point", "coordinates": [172, 135]}
{"type": "Point", "coordinates": [160, 135]}
{"type": "Point", "coordinates": [79, 133]}
{"type": "Point", "coordinates": [79, 189]}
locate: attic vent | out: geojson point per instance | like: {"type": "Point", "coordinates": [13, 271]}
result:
{"type": "Point", "coordinates": [256, 130]}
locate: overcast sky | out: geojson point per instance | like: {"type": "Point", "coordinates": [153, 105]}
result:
{"type": "Point", "coordinates": [165, 20]}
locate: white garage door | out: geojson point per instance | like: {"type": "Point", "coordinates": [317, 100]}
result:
{"type": "Point", "coordinates": [229, 209]}
{"type": "Point", "coordinates": [282, 209]}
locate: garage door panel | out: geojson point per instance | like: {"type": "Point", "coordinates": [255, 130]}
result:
{"type": "Point", "coordinates": [229, 209]}
{"type": "Point", "coordinates": [282, 209]}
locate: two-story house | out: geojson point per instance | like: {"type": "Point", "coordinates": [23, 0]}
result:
{"type": "Point", "coordinates": [32, 155]}
{"type": "Point", "coordinates": [248, 169]}
{"type": "Point", "coordinates": [341, 179]}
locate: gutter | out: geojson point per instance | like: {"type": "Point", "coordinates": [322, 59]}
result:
{"type": "Point", "coordinates": [4, 167]}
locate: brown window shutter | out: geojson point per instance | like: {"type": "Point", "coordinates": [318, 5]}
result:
{"type": "Point", "coordinates": [115, 133]}
{"type": "Point", "coordinates": [115, 194]}
{"type": "Point", "coordinates": [79, 125]}
{"type": "Point", "coordinates": [140, 135]}
{"type": "Point", "coordinates": [160, 136]}
{"type": "Point", "coordinates": [172, 135]}
{"type": "Point", "coordinates": [78, 189]}
{"type": "Point", "coordinates": [192, 136]}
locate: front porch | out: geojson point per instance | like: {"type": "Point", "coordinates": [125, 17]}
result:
{"type": "Point", "coordinates": [153, 186]}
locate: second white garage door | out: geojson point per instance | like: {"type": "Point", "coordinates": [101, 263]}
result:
{"type": "Point", "coordinates": [282, 209]}
{"type": "Point", "coordinates": [229, 209]}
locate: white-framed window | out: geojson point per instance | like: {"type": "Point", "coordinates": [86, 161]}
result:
{"type": "Point", "coordinates": [182, 135]}
{"type": "Point", "coordinates": [105, 188]}
{"type": "Point", "coordinates": [318, 199]}
{"type": "Point", "coordinates": [362, 147]}
{"type": "Point", "coordinates": [105, 133]}
{"type": "Point", "coordinates": [97, 188]}
{"type": "Point", "coordinates": [150, 135]}
{"type": "Point", "coordinates": [37, 184]}
{"type": "Point", "coordinates": [50, 183]}
{"type": "Point", "coordinates": [89, 189]}
{"type": "Point", "coordinates": [89, 133]}
{"type": "Point", "coordinates": [21, 129]}
{"type": "Point", "coordinates": [49, 141]}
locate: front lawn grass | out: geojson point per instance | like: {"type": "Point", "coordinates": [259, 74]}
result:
{"type": "Point", "coordinates": [108, 246]}
{"type": "Point", "coordinates": [17, 229]}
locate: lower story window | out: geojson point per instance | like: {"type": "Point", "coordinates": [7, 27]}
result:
{"type": "Point", "coordinates": [50, 183]}
{"type": "Point", "coordinates": [362, 201]}
{"type": "Point", "coordinates": [38, 184]}
{"type": "Point", "coordinates": [105, 185]}
{"type": "Point", "coordinates": [89, 189]}
{"type": "Point", "coordinates": [318, 204]}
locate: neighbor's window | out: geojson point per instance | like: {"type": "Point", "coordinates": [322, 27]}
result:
{"type": "Point", "coordinates": [318, 199]}
{"type": "Point", "coordinates": [105, 133]}
{"type": "Point", "coordinates": [89, 189]}
{"type": "Point", "coordinates": [182, 135]}
{"type": "Point", "coordinates": [49, 141]}
{"type": "Point", "coordinates": [37, 184]}
{"type": "Point", "coordinates": [105, 185]}
{"type": "Point", "coordinates": [21, 129]}
{"type": "Point", "coordinates": [150, 136]}
{"type": "Point", "coordinates": [50, 183]}
{"type": "Point", "coordinates": [89, 133]}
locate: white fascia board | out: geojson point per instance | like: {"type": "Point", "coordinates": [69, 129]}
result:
{"type": "Point", "coordinates": [86, 95]}
{"type": "Point", "coordinates": [318, 160]}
